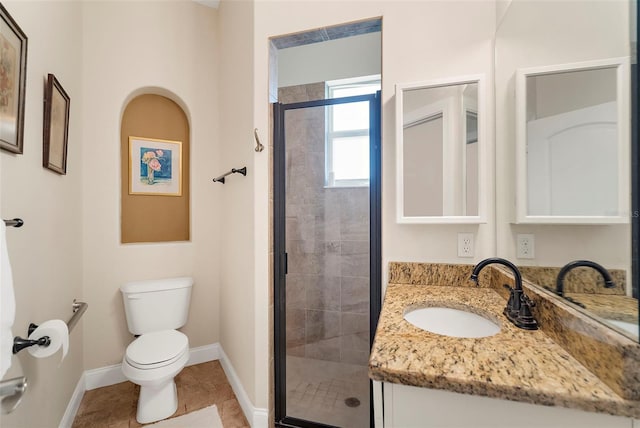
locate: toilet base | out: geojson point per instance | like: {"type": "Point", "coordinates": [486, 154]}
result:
{"type": "Point", "coordinates": [158, 393]}
{"type": "Point", "coordinates": [157, 402]}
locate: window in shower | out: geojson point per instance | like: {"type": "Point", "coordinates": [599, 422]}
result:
{"type": "Point", "coordinates": [347, 136]}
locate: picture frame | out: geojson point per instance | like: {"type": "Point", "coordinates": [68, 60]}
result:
{"type": "Point", "coordinates": [155, 167]}
{"type": "Point", "coordinates": [13, 73]}
{"type": "Point", "coordinates": [56, 126]}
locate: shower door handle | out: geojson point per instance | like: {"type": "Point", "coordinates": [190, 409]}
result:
{"type": "Point", "coordinates": [285, 261]}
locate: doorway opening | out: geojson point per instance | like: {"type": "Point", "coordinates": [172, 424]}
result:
{"type": "Point", "coordinates": [327, 261]}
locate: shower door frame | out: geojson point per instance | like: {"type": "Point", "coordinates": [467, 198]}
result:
{"type": "Point", "coordinates": [280, 255]}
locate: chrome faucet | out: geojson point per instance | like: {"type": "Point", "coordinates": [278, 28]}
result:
{"type": "Point", "coordinates": [518, 309]}
{"type": "Point", "coordinates": [608, 282]}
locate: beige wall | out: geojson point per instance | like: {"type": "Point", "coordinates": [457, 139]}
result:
{"type": "Point", "coordinates": [46, 253]}
{"type": "Point", "coordinates": [130, 48]}
{"type": "Point", "coordinates": [454, 39]}
{"type": "Point", "coordinates": [238, 295]}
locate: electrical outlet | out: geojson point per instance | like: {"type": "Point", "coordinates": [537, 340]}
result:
{"type": "Point", "coordinates": [465, 244]}
{"type": "Point", "coordinates": [525, 246]}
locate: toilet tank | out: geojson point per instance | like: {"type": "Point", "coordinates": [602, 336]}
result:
{"type": "Point", "coordinates": [156, 305]}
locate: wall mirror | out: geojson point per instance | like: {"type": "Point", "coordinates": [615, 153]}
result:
{"type": "Point", "coordinates": [441, 151]}
{"type": "Point", "coordinates": [572, 136]}
{"type": "Point", "coordinates": [545, 51]}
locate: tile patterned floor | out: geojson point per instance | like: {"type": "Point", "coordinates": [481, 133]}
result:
{"type": "Point", "coordinates": [318, 391]}
{"type": "Point", "coordinates": [199, 386]}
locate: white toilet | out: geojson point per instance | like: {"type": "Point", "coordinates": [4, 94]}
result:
{"type": "Point", "coordinates": [154, 309]}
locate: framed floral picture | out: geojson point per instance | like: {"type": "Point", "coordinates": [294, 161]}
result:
{"type": "Point", "coordinates": [155, 167]}
{"type": "Point", "coordinates": [13, 73]}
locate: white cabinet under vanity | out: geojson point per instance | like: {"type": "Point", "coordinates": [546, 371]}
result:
{"type": "Point", "coordinates": [513, 378]}
{"type": "Point", "coordinates": [415, 407]}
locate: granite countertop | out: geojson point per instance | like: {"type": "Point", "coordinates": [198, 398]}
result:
{"type": "Point", "coordinates": [614, 307]}
{"type": "Point", "coordinates": [515, 364]}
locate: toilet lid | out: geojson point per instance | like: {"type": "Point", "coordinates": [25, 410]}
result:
{"type": "Point", "coordinates": [150, 349]}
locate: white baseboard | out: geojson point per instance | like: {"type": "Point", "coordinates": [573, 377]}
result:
{"type": "Point", "coordinates": [260, 418]}
{"type": "Point", "coordinates": [257, 417]}
{"type": "Point", "coordinates": [204, 354]}
{"type": "Point", "coordinates": [104, 376]}
{"type": "Point", "coordinates": [111, 375]}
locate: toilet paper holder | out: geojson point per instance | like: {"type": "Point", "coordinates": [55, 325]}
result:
{"type": "Point", "coordinates": [19, 343]}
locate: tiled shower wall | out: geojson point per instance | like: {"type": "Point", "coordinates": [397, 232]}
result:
{"type": "Point", "coordinates": [327, 239]}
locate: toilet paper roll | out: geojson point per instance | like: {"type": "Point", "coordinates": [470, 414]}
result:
{"type": "Point", "coordinates": [58, 333]}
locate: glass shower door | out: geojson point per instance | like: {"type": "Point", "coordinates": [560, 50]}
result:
{"type": "Point", "coordinates": [323, 259]}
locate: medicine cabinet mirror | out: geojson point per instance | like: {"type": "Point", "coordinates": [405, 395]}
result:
{"type": "Point", "coordinates": [572, 133]}
{"type": "Point", "coordinates": [441, 151]}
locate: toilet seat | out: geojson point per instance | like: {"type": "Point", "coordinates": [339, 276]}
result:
{"type": "Point", "coordinates": [157, 349]}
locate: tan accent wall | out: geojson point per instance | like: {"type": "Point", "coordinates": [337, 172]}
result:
{"type": "Point", "coordinates": [150, 218]}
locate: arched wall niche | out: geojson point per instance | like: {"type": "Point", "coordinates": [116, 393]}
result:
{"type": "Point", "coordinates": [157, 90]}
{"type": "Point", "coordinates": [146, 213]}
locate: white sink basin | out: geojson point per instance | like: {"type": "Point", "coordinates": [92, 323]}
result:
{"type": "Point", "coordinates": [452, 322]}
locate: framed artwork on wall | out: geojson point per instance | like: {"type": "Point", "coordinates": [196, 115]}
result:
{"type": "Point", "coordinates": [13, 72]}
{"type": "Point", "coordinates": [155, 167]}
{"type": "Point", "coordinates": [56, 126]}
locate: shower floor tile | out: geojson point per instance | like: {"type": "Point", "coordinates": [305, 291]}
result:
{"type": "Point", "coordinates": [199, 386]}
{"type": "Point", "coordinates": [317, 391]}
